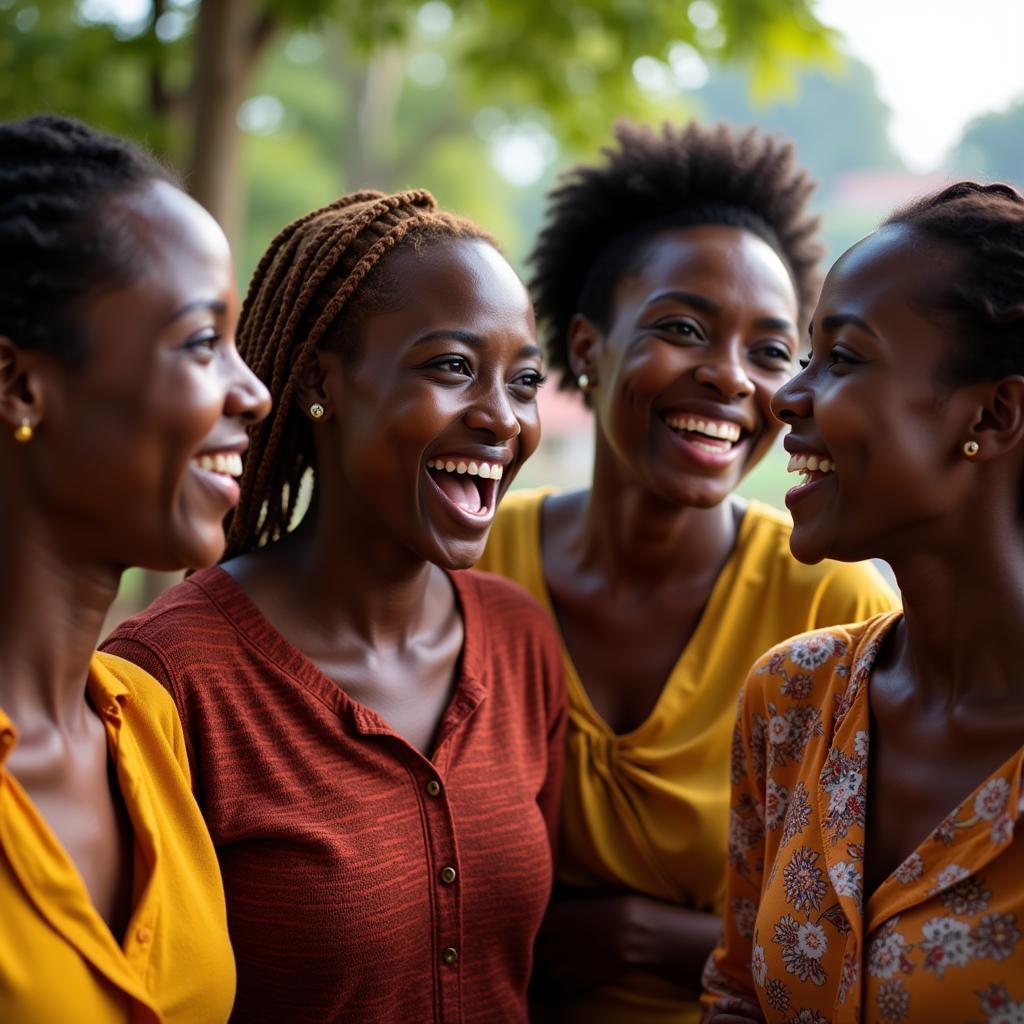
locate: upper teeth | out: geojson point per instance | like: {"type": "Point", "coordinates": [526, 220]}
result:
{"type": "Point", "coordinates": [487, 470]}
{"type": "Point", "coordinates": [229, 463]}
{"type": "Point", "coordinates": [809, 464]}
{"type": "Point", "coordinates": [726, 431]}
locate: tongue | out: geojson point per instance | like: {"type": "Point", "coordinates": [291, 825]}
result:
{"type": "Point", "coordinates": [460, 490]}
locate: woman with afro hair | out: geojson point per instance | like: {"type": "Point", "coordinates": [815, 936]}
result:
{"type": "Point", "coordinates": [672, 282]}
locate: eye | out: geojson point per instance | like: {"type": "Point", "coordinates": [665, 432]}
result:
{"type": "Point", "coordinates": [529, 383]}
{"type": "Point", "coordinates": [682, 328]}
{"type": "Point", "coordinates": [841, 357]}
{"type": "Point", "coordinates": [453, 364]}
{"type": "Point", "coordinates": [776, 353]}
{"type": "Point", "coordinates": [203, 342]}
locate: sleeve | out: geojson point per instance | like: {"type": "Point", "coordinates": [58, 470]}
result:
{"type": "Point", "coordinates": [151, 660]}
{"type": "Point", "coordinates": [728, 969]}
{"type": "Point", "coordinates": [852, 592]}
{"type": "Point", "coordinates": [549, 798]}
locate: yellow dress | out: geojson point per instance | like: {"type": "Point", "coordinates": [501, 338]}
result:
{"type": "Point", "coordinates": [59, 962]}
{"type": "Point", "coordinates": [648, 810]}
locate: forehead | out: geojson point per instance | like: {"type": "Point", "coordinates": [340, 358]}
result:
{"type": "Point", "coordinates": [896, 267]}
{"type": "Point", "coordinates": [716, 259]}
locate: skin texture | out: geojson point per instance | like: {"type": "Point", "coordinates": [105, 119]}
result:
{"type": "Point", "coordinates": [705, 327]}
{"type": "Point", "coordinates": [108, 482]}
{"type": "Point", "coordinates": [946, 700]}
{"type": "Point", "coordinates": [453, 368]}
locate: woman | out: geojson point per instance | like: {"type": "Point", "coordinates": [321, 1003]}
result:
{"type": "Point", "coordinates": [875, 872]}
{"type": "Point", "coordinates": [376, 740]}
{"type": "Point", "coordinates": [671, 281]}
{"type": "Point", "coordinates": [125, 407]}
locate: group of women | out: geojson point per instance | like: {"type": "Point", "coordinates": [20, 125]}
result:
{"type": "Point", "coordinates": [334, 776]}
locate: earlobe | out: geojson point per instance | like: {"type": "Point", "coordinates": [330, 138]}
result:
{"type": "Point", "coordinates": [584, 344]}
{"type": "Point", "coordinates": [999, 424]}
{"type": "Point", "coordinates": [310, 390]}
{"type": "Point", "coordinates": [21, 406]}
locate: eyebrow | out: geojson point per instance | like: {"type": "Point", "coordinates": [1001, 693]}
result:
{"type": "Point", "coordinates": [213, 305]}
{"type": "Point", "coordinates": [837, 320]}
{"type": "Point", "coordinates": [706, 305]}
{"type": "Point", "coordinates": [469, 338]}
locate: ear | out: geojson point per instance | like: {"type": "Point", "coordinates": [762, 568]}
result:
{"type": "Point", "coordinates": [20, 386]}
{"type": "Point", "coordinates": [311, 386]}
{"type": "Point", "coordinates": [999, 421]}
{"type": "Point", "coordinates": [584, 347]}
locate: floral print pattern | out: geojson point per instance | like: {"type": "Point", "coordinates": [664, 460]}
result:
{"type": "Point", "coordinates": [941, 939]}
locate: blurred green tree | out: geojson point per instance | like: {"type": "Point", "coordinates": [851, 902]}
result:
{"type": "Point", "coordinates": [991, 146]}
{"type": "Point", "coordinates": [176, 72]}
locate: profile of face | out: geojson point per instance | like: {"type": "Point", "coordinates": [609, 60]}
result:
{"type": "Point", "coordinates": [136, 450]}
{"type": "Point", "coordinates": [702, 333]}
{"type": "Point", "coordinates": [429, 422]}
{"type": "Point", "coordinates": [876, 425]}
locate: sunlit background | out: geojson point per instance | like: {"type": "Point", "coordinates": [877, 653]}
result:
{"type": "Point", "coordinates": [272, 107]}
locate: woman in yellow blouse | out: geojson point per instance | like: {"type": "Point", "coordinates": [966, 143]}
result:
{"type": "Point", "coordinates": [124, 408]}
{"type": "Point", "coordinates": [876, 850]}
{"type": "Point", "coordinates": [671, 282]}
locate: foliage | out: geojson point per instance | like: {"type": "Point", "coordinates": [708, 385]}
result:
{"type": "Point", "coordinates": [991, 146]}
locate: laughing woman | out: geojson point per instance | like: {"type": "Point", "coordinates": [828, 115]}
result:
{"type": "Point", "coordinates": [376, 740]}
{"type": "Point", "coordinates": [672, 281]}
{"type": "Point", "coordinates": [877, 849]}
{"type": "Point", "coordinates": [122, 400]}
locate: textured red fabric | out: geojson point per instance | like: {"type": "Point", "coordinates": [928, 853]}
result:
{"type": "Point", "coordinates": [333, 833]}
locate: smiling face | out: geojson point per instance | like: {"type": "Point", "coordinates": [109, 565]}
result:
{"type": "Point", "coordinates": [701, 335]}
{"type": "Point", "coordinates": [874, 403]}
{"type": "Point", "coordinates": [136, 450]}
{"type": "Point", "coordinates": [430, 421]}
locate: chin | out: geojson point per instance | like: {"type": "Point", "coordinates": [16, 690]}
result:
{"type": "Point", "coordinates": [807, 548]}
{"type": "Point", "coordinates": [457, 554]}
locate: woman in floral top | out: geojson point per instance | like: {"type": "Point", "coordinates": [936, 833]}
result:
{"type": "Point", "coordinates": [876, 870]}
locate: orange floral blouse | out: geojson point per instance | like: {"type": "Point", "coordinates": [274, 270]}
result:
{"type": "Point", "coordinates": [939, 940]}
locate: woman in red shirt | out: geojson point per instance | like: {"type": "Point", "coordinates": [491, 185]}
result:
{"type": "Point", "coordinates": [376, 739]}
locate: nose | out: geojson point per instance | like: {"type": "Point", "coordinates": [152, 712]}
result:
{"type": "Point", "coordinates": [492, 411]}
{"type": "Point", "coordinates": [246, 397]}
{"type": "Point", "coordinates": [792, 401]}
{"type": "Point", "coordinates": [723, 370]}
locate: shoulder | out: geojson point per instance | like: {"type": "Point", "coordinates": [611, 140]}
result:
{"type": "Point", "coordinates": [809, 666]}
{"type": "Point", "coordinates": [833, 592]}
{"type": "Point", "coordinates": [149, 701]}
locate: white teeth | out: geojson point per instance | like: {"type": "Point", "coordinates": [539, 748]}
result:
{"type": "Point", "coordinates": [225, 463]}
{"type": "Point", "coordinates": [711, 428]}
{"type": "Point", "coordinates": [481, 469]}
{"type": "Point", "coordinates": [809, 464]}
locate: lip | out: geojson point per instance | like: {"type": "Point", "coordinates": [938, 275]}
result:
{"type": "Point", "coordinates": [707, 411]}
{"type": "Point", "coordinates": [226, 488]}
{"type": "Point", "coordinates": [702, 455]}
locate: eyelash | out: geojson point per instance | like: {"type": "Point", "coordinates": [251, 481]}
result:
{"type": "Point", "coordinates": [536, 380]}
{"type": "Point", "coordinates": [205, 339]}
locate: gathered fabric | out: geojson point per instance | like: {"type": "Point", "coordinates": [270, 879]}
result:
{"type": "Point", "coordinates": [647, 810]}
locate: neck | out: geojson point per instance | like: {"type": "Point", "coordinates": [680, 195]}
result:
{"type": "Point", "coordinates": [963, 608]}
{"type": "Point", "coordinates": [630, 535]}
{"type": "Point", "coordinates": [52, 610]}
{"type": "Point", "coordinates": [347, 580]}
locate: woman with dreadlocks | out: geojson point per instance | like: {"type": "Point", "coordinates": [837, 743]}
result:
{"type": "Point", "coordinates": [376, 740]}
{"type": "Point", "coordinates": [672, 281]}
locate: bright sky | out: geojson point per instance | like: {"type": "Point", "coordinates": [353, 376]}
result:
{"type": "Point", "coordinates": [937, 63]}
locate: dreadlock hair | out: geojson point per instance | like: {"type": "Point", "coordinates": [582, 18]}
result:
{"type": "Point", "coordinates": [313, 288]}
{"type": "Point", "coordinates": [984, 226]}
{"type": "Point", "coordinates": [601, 217]}
{"type": "Point", "coordinates": [57, 177]}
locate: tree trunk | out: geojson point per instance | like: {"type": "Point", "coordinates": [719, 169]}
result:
{"type": "Point", "coordinates": [230, 36]}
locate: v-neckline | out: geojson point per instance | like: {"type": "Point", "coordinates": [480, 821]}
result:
{"type": "Point", "coordinates": [696, 642]}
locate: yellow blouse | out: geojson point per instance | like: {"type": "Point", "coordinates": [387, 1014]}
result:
{"type": "Point", "coordinates": [58, 959]}
{"type": "Point", "coordinates": [648, 810]}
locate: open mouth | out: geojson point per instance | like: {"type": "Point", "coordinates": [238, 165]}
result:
{"type": "Point", "coordinates": [813, 467]}
{"type": "Point", "coordinates": [469, 484]}
{"type": "Point", "coordinates": [716, 439]}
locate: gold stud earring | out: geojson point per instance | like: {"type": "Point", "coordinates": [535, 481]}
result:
{"type": "Point", "coordinates": [316, 410]}
{"type": "Point", "coordinates": [971, 448]}
{"type": "Point", "coordinates": [24, 432]}
{"type": "Point", "coordinates": [583, 382]}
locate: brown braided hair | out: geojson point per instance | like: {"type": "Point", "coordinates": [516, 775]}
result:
{"type": "Point", "coordinates": [329, 261]}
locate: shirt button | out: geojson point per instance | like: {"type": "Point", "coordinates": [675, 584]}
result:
{"type": "Point", "coordinates": [433, 787]}
{"type": "Point", "coordinates": [450, 955]}
{"type": "Point", "coordinates": [447, 875]}
{"type": "Point", "coordinates": [144, 935]}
